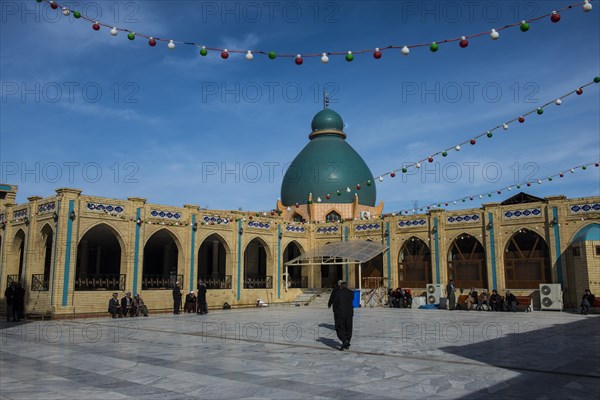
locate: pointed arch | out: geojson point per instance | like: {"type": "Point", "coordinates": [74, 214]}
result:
{"type": "Point", "coordinates": [161, 263]}
{"type": "Point", "coordinates": [467, 264]}
{"type": "Point", "coordinates": [99, 259]}
{"type": "Point", "coordinates": [46, 246]}
{"type": "Point", "coordinates": [296, 217]}
{"type": "Point", "coordinates": [292, 250]}
{"type": "Point", "coordinates": [18, 254]}
{"type": "Point", "coordinates": [414, 264]}
{"type": "Point", "coordinates": [212, 262]}
{"type": "Point", "coordinates": [256, 260]}
{"type": "Point", "coordinates": [333, 216]}
{"type": "Point", "coordinates": [526, 260]}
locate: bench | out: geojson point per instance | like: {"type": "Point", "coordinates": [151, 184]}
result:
{"type": "Point", "coordinates": [524, 303]}
{"type": "Point", "coordinates": [461, 304]}
{"type": "Point", "coordinates": [40, 315]}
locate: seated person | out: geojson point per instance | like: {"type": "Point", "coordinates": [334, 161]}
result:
{"type": "Point", "coordinates": [510, 302]}
{"type": "Point", "coordinates": [114, 307]}
{"type": "Point", "coordinates": [407, 299]}
{"type": "Point", "coordinates": [472, 298]}
{"type": "Point", "coordinates": [398, 297]}
{"type": "Point", "coordinates": [260, 303]}
{"type": "Point", "coordinates": [496, 301]}
{"type": "Point", "coordinates": [140, 307]}
{"type": "Point", "coordinates": [190, 302]}
{"type": "Point", "coordinates": [390, 298]}
{"type": "Point", "coordinates": [587, 301]}
{"type": "Point", "coordinates": [127, 307]}
{"type": "Point", "coordinates": [484, 300]}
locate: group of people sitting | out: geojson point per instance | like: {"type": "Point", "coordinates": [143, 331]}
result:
{"type": "Point", "coordinates": [195, 303]}
{"type": "Point", "coordinates": [491, 302]}
{"type": "Point", "coordinates": [400, 298]}
{"type": "Point", "coordinates": [127, 307]}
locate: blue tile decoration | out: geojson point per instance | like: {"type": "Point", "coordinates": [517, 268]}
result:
{"type": "Point", "coordinates": [46, 207]}
{"type": "Point", "coordinates": [328, 230]}
{"type": "Point", "coordinates": [295, 228]}
{"type": "Point", "coordinates": [368, 227]}
{"type": "Point", "coordinates": [105, 208]}
{"type": "Point", "coordinates": [165, 214]}
{"type": "Point", "coordinates": [22, 213]}
{"type": "Point", "coordinates": [526, 213]}
{"type": "Point", "coordinates": [411, 223]}
{"type": "Point", "coordinates": [259, 225]}
{"type": "Point", "coordinates": [463, 218]}
{"type": "Point", "coordinates": [212, 220]}
{"type": "Point", "coordinates": [585, 208]}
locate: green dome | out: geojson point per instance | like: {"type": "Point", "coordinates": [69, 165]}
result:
{"type": "Point", "coordinates": [327, 119]}
{"type": "Point", "coordinates": [328, 164]}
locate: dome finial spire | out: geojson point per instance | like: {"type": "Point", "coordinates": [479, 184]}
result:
{"type": "Point", "coordinates": [325, 99]}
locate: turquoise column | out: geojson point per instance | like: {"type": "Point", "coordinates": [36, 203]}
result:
{"type": "Point", "coordinates": [54, 255]}
{"type": "Point", "coordinates": [194, 228]}
{"type": "Point", "coordinates": [279, 261]}
{"type": "Point", "coordinates": [493, 250]}
{"type": "Point", "coordinates": [437, 253]}
{"type": "Point", "coordinates": [68, 253]}
{"type": "Point", "coordinates": [136, 250]}
{"type": "Point", "coordinates": [389, 256]}
{"type": "Point", "coordinates": [347, 267]}
{"type": "Point", "coordinates": [557, 246]}
{"type": "Point", "coordinates": [239, 260]}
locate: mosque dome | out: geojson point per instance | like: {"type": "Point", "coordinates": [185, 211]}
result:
{"type": "Point", "coordinates": [326, 165]}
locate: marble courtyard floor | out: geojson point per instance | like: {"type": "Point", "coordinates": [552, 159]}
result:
{"type": "Point", "coordinates": [292, 353]}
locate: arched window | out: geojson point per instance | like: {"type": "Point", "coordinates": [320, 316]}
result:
{"type": "Point", "coordinates": [99, 260]}
{"type": "Point", "coordinates": [526, 261]}
{"type": "Point", "coordinates": [291, 251]}
{"type": "Point", "coordinates": [414, 264]}
{"type": "Point", "coordinates": [255, 266]}
{"type": "Point", "coordinates": [297, 217]}
{"type": "Point", "coordinates": [212, 263]}
{"type": "Point", "coordinates": [466, 263]}
{"type": "Point", "coordinates": [161, 257]}
{"type": "Point", "coordinates": [333, 217]}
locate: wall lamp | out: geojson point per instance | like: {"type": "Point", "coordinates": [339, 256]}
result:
{"type": "Point", "coordinates": [553, 223]}
{"type": "Point", "coordinates": [434, 230]}
{"type": "Point", "coordinates": [55, 216]}
{"type": "Point", "coordinates": [386, 233]}
{"type": "Point", "coordinates": [489, 226]}
{"type": "Point", "coordinates": [72, 216]}
{"type": "Point", "coordinates": [26, 220]}
{"type": "Point", "coordinates": [241, 231]}
{"type": "Point", "coordinates": [280, 236]}
{"type": "Point", "coordinates": [139, 221]}
{"type": "Point", "coordinates": [195, 226]}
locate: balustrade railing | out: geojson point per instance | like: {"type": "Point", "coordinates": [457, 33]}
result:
{"type": "Point", "coordinates": [215, 281]}
{"type": "Point", "coordinates": [11, 278]}
{"type": "Point", "coordinates": [298, 282]}
{"type": "Point", "coordinates": [164, 281]}
{"type": "Point", "coordinates": [114, 282]}
{"type": "Point", "coordinates": [258, 282]}
{"type": "Point", "coordinates": [40, 283]}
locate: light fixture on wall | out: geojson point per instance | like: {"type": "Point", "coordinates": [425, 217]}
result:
{"type": "Point", "coordinates": [139, 221]}
{"type": "Point", "coordinates": [55, 216]}
{"type": "Point", "coordinates": [489, 226]}
{"type": "Point", "coordinates": [72, 215]}
{"type": "Point", "coordinates": [195, 226]}
{"type": "Point", "coordinates": [553, 223]}
{"type": "Point", "coordinates": [241, 231]}
{"type": "Point", "coordinates": [386, 233]}
{"type": "Point", "coordinates": [280, 236]}
{"type": "Point", "coordinates": [26, 220]}
{"type": "Point", "coordinates": [434, 230]}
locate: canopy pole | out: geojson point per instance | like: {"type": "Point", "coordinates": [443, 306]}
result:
{"type": "Point", "coordinates": [287, 277]}
{"type": "Point", "coordinates": [360, 281]}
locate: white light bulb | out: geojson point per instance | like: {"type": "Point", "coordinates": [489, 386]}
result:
{"type": "Point", "coordinates": [249, 56]}
{"type": "Point", "coordinates": [457, 148]}
{"type": "Point", "coordinates": [114, 31]}
{"type": "Point", "coordinates": [324, 58]}
{"type": "Point", "coordinates": [494, 35]}
{"type": "Point", "coordinates": [558, 102]}
{"type": "Point", "coordinates": [171, 45]}
{"type": "Point", "coordinates": [381, 179]}
{"type": "Point", "coordinates": [505, 127]}
{"type": "Point", "coordinates": [405, 50]}
{"type": "Point", "coordinates": [66, 11]}
{"type": "Point", "coordinates": [587, 6]}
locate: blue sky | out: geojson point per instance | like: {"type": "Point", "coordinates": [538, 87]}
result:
{"type": "Point", "coordinates": [118, 118]}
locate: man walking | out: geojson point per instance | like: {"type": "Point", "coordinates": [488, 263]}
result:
{"type": "Point", "coordinates": [343, 312]}
{"type": "Point", "coordinates": [9, 294]}
{"type": "Point", "coordinates": [202, 305]}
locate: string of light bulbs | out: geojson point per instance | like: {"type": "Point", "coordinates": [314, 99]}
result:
{"type": "Point", "coordinates": [458, 147]}
{"type": "Point", "coordinates": [349, 55]}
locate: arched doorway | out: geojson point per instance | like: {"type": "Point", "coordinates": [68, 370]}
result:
{"type": "Point", "coordinates": [467, 263]}
{"type": "Point", "coordinates": [526, 261]}
{"type": "Point", "coordinates": [212, 263]}
{"type": "Point", "coordinates": [332, 272]}
{"type": "Point", "coordinates": [161, 260]}
{"type": "Point", "coordinates": [372, 272]}
{"type": "Point", "coordinates": [99, 260]}
{"type": "Point", "coordinates": [255, 266]}
{"type": "Point", "coordinates": [296, 280]}
{"type": "Point", "coordinates": [18, 249]}
{"type": "Point", "coordinates": [41, 282]}
{"type": "Point", "coordinates": [414, 264]}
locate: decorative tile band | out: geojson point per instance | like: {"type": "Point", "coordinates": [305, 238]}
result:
{"type": "Point", "coordinates": [368, 227]}
{"type": "Point", "coordinates": [328, 230]}
{"type": "Point", "coordinates": [105, 208]}
{"type": "Point", "coordinates": [165, 214]}
{"type": "Point", "coordinates": [17, 214]}
{"type": "Point", "coordinates": [527, 213]}
{"type": "Point", "coordinates": [583, 208]}
{"type": "Point", "coordinates": [293, 228]}
{"type": "Point", "coordinates": [413, 222]}
{"type": "Point", "coordinates": [46, 208]}
{"type": "Point", "coordinates": [215, 220]}
{"type": "Point", "coordinates": [259, 225]}
{"type": "Point", "coordinates": [463, 218]}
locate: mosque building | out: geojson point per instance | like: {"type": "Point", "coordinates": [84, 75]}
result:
{"type": "Point", "coordinates": [72, 250]}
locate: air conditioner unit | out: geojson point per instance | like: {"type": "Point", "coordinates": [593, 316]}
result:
{"type": "Point", "coordinates": [365, 215]}
{"type": "Point", "coordinates": [551, 296]}
{"type": "Point", "coordinates": [434, 293]}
